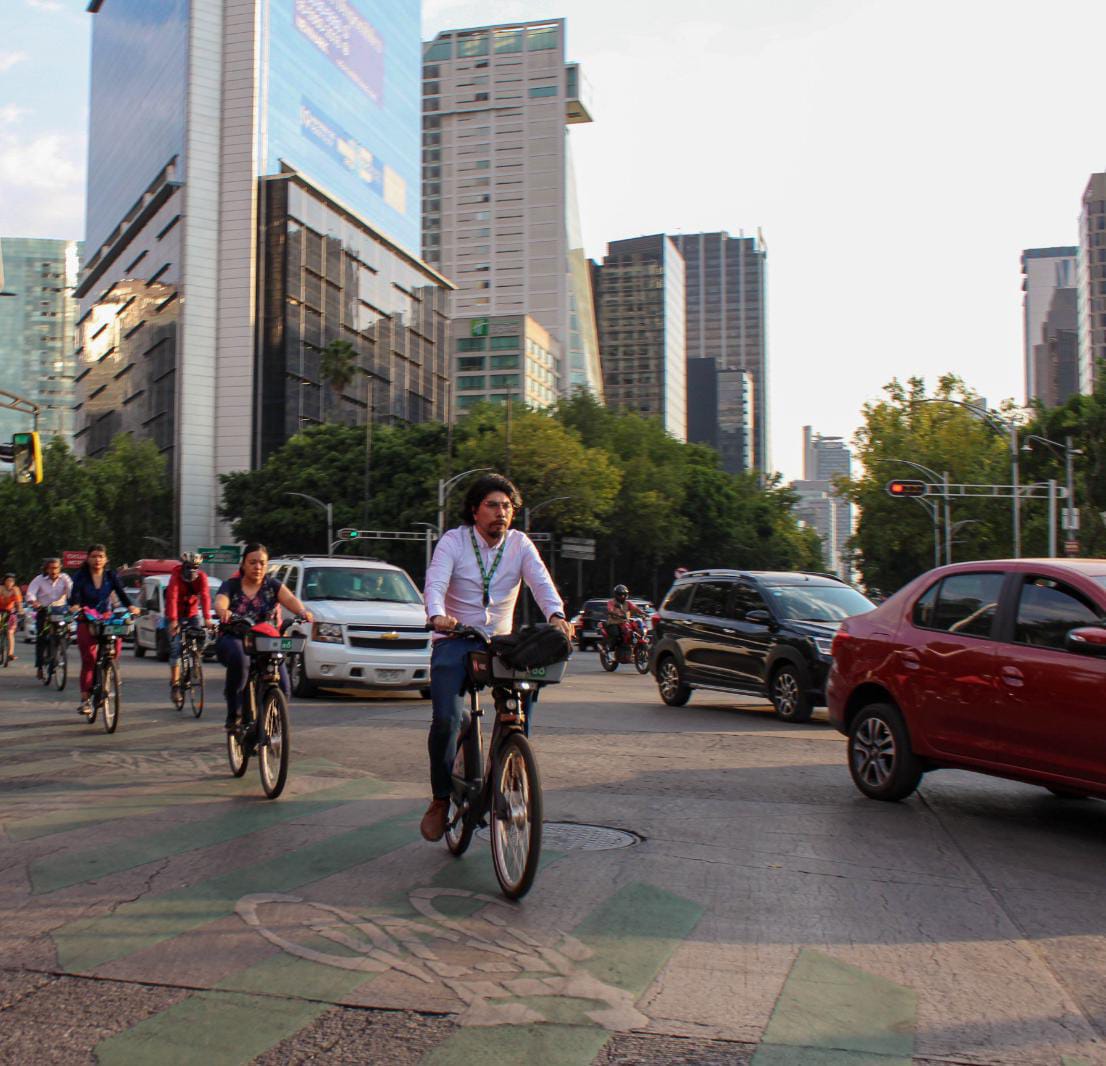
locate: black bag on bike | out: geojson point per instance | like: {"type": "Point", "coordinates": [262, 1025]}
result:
{"type": "Point", "coordinates": [533, 646]}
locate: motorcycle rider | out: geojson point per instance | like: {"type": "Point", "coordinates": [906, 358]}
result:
{"type": "Point", "coordinates": [619, 611]}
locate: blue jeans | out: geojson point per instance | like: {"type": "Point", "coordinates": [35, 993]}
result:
{"type": "Point", "coordinates": [175, 642]}
{"type": "Point", "coordinates": [231, 653]}
{"type": "Point", "coordinates": [447, 678]}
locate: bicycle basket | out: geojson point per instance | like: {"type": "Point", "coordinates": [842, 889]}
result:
{"type": "Point", "coordinates": [478, 665]}
{"type": "Point", "coordinates": [282, 644]}
{"type": "Point", "coordinates": [545, 675]}
{"type": "Point", "coordinates": [534, 646]}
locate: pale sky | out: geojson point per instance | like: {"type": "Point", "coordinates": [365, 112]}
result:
{"type": "Point", "coordinates": [898, 157]}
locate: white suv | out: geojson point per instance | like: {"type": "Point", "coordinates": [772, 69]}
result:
{"type": "Point", "coordinates": [370, 625]}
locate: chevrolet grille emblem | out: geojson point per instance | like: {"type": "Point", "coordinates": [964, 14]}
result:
{"type": "Point", "coordinates": [393, 635]}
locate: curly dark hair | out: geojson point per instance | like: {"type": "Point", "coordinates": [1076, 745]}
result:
{"type": "Point", "coordinates": [483, 487]}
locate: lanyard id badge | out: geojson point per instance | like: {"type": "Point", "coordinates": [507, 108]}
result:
{"type": "Point", "coordinates": [487, 575]}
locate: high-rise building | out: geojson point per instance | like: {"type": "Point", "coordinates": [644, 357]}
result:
{"type": "Point", "coordinates": [502, 358]}
{"type": "Point", "coordinates": [500, 215]}
{"type": "Point", "coordinates": [38, 316]}
{"type": "Point", "coordinates": [726, 322]}
{"type": "Point", "coordinates": [1056, 354]}
{"type": "Point", "coordinates": [819, 505]}
{"type": "Point", "coordinates": [720, 412]}
{"type": "Point", "coordinates": [1091, 283]}
{"type": "Point", "coordinates": [253, 197]}
{"type": "Point", "coordinates": [1044, 270]}
{"type": "Point", "coordinates": [640, 301]}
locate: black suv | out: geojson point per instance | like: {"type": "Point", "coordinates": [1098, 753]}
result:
{"type": "Point", "coordinates": [767, 633]}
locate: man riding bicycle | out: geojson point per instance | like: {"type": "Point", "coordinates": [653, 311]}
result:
{"type": "Point", "coordinates": [474, 580]}
{"type": "Point", "coordinates": [187, 597]}
{"type": "Point", "coordinates": [619, 611]}
{"type": "Point", "coordinates": [50, 589]}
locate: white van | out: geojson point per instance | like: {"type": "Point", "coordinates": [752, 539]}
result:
{"type": "Point", "coordinates": [370, 625]}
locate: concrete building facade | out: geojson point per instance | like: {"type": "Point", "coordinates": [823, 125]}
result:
{"type": "Point", "coordinates": [503, 358]}
{"type": "Point", "coordinates": [727, 322]}
{"type": "Point", "coordinates": [641, 305]}
{"type": "Point", "coordinates": [1044, 271]}
{"type": "Point", "coordinates": [38, 317]}
{"type": "Point", "coordinates": [253, 196]}
{"type": "Point", "coordinates": [1091, 282]}
{"type": "Point", "coordinates": [500, 214]}
{"type": "Point", "coordinates": [819, 505]}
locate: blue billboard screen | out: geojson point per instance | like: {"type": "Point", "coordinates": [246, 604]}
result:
{"type": "Point", "coordinates": [344, 108]}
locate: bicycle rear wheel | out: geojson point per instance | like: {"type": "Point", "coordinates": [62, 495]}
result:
{"type": "Point", "coordinates": [196, 688]}
{"type": "Point", "coordinates": [4, 646]}
{"type": "Point", "coordinates": [237, 755]}
{"type": "Point", "coordinates": [59, 668]}
{"type": "Point", "coordinates": [458, 835]}
{"type": "Point", "coordinates": [516, 816]}
{"type": "Point", "coordinates": [111, 698]}
{"type": "Point", "coordinates": [274, 746]}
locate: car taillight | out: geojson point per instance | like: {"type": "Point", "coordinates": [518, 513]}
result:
{"type": "Point", "coordinates": [839, 639]}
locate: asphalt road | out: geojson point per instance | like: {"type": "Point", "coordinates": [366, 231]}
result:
{"type": "Point", "coordinates": [157, 910]}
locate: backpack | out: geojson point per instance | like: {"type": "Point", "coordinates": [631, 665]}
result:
{"type": "Point", "coordinates": [532, 646]}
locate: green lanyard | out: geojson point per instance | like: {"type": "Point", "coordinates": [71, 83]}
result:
{"type": "Point", "coordinates": [487, 575]}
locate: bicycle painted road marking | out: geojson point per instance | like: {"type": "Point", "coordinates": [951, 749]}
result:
{"type": "Point", "coordinates": [832, 1014]}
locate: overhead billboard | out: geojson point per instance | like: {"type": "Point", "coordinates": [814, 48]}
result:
{"type": "Point", "coordinates": [342, 104]}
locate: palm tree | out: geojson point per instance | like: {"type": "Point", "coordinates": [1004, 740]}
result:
{"type": "Point", "coordinates": [338, 365]}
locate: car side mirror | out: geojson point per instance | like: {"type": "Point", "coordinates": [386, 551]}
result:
{"type": "Point", "coordinates": [758, 616]}
{"type": "Point", "coordinates": [1087, 640]}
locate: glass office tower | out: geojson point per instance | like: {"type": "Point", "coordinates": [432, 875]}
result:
{"type": "Point", "coordinates": [253, 195]}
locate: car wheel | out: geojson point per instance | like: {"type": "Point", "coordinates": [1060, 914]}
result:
{"type": "Point", "coordinates": [302, 685]}
{"type": "Point", "coordinates": [670, 683]}
{"type": "Point", "coordinates": [162, 646]}
{"type": "Point", "coordinates": [788, 695]}
{"type": "Point", "coordinates": [139, 651]}
{"type": "Point", "coordinates": [424, 693]}
{"type": "Point", "coordinates": [881, 762]}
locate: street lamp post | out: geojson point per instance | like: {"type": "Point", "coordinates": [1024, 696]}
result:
{"type": "Point", "coordinates": [526, 513]}
{"type": "Point", "coordinates": [329, 517]}
{"type": "Point", "coordinates": [432, 532]}
{"type": "Point", "coordinates": [931, 508]}
{"type": "Point", "coordinates": [1008, 427]}
{"type": "Point", "coordinates": [1068, 452]}
{"type": "Point", "coordinates": [446, 486]}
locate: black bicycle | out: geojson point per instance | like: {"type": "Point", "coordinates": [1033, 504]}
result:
{"type": "Point", "coordinates": [262, 726]}
{"type": "Point", "coordinates": [190, 680]}
{"type": "Point", "coordinates": [55, 653]}
{"type": "Point", "coordinates": [507, 786]}
{"type": "Point", "coordinates": [105, 697]}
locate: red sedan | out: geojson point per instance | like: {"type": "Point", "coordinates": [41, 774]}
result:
{"type": "Point", "coordinates": [996, 666]}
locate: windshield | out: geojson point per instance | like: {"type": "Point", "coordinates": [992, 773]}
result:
{"type": "Point", "coordinates": [817, 603]}
{"type": "Point", "coordinates": [358, 584]}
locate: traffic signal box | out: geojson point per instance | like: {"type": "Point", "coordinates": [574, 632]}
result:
{"type": "Point", "coordinates": [349, 534]}
{"type": "Point", "coordinates": [907, 488]}
{"type": "Point", "coordinates": [27, 458]}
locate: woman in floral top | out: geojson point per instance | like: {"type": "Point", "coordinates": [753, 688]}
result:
{"type": "Point", "coordinates": [11, 600]}
{"type": "Point", "coordinates": [250, 592]}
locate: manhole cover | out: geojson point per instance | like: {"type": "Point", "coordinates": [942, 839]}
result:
{"type": "Point", "coordinates": [570, 836]}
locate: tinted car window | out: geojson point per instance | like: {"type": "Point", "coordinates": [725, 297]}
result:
{"type": "Point", "coordinates": [711, 598]}
{"type": "Point", "coordinates": [966, 604]}
{"type": "Point", "coordinates": [818, 603]}
{"type": "Point", "coordinates": [356, 584]}
{"type": "Point", "coordinates": [679, 599]}
{"type": "Point", "coordinates": [925, 606]}
{"type": "Point", "coordinates": [1047, 609]}
{"type": "Point", "coordinates": [746, 599]}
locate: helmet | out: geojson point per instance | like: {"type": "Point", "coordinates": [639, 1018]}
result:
{"type": "Point", "coordinates": [621, 592]}
{"type": "Point", "coordinates": [191, 558]}
{"type": "Point", "coordinates": [12, 576]}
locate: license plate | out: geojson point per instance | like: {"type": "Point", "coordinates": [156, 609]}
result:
{"type": "Point", "coordinates": [286, 644]}
{"type": "Point", "coordinates": [389, 675]}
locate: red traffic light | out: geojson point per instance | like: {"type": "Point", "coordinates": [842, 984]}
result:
{"type": "Point", "coordinates": [907, 488]}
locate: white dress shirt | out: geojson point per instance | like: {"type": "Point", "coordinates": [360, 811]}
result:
{"type": "Point", "coordinates": [47, 593]}
{"type": "Point", "coordinates": [455, 586]}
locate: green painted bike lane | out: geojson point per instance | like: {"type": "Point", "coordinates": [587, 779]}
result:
{"type": "Point", "coordinates": [60, 871]}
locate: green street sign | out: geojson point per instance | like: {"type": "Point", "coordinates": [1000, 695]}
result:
{"type": "Point", "coordinates": [479, 327]}
{"type": "Point", "coordinates": [226, 553]}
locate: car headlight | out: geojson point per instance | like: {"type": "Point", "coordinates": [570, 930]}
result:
{"type": "Point", "coordinates": [824, 646]}
{"type": "Point", "coordinates": [327, 633]}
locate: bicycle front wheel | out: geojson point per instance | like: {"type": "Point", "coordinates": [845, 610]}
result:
{"type": "Point", "coordinates": [641, 658]}
{"type": "Point", "coordinates": [111, 699]}
{"type": "Point", "coordinates": [196, 688]}
{"type": "Point", "coordinates": [274, 742]}
{"type": "Point", "coordinates": [458, 834]}
{"type": "Point", "coordinates": [516, 817]}
{"type": "Point", "coordinates": [59, 669]}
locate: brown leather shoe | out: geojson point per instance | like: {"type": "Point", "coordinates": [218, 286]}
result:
{"type": "Point", "coordinates": [434, 821]}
